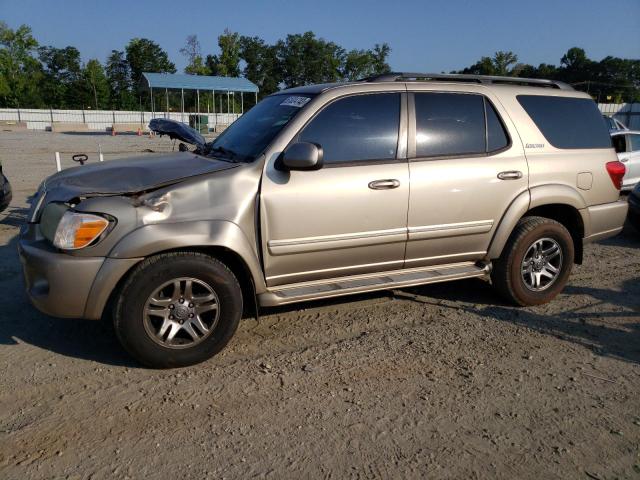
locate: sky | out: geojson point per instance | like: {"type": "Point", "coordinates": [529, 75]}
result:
{"type": "Point", "coordinates": [424, 35]}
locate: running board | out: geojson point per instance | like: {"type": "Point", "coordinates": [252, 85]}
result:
{"type": "Point", "coordinates": [316, 290]}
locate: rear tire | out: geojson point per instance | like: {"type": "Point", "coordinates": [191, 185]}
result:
{"type": "Point", "coordinates": [536, 262]}
{"type": "Point", "coordinates": [177, 309]}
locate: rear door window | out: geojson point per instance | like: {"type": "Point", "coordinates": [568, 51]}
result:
{"type": "Point", "coordinates": [634, 142]}
{"type": "Point", "coordinates": [567, 123]}
{"type": "Point", "coordinates": [356, 128]}
{"type": "Point", "coordinates": [449, 124]}
{"type": "Point", "coordinates": [457, 124]}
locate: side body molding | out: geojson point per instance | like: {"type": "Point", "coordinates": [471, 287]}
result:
{"type": "Point", "coordinates": [151, 239]}
{"type": "Point", "coordinates": [536, 196]}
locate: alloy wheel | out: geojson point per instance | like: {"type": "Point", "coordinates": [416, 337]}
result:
{"type": "Point", "coordinates": [542, 264]}
{"type": "Point", "coordinates": [181, 313]}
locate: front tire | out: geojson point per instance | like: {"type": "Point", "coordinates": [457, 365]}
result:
{"type": "Point", "coordinates": [536, 262]}
{"type": "Point", "coordinates": [177, 309]}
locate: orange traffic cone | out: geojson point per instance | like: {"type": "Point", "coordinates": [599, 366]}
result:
{"type": "Point", "coordinates": [113, 131]}
{"type": "Point", "coordinates": [139, 132]}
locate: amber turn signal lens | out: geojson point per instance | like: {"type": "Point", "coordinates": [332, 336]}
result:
{"type": "Point", "coordinates": [77, 230]}
{"type": "Point", "coordinates": [88, 232]}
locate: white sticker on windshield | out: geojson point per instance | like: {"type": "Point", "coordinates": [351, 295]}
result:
{"type": "Point", "coordinates": [296, 101]}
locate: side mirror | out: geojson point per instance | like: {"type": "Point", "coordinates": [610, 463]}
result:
{"type": "Point", "coordinates": [302, 156]}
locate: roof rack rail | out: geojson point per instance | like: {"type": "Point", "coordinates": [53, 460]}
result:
{"type": "Point", "coordinates": [466, 78]}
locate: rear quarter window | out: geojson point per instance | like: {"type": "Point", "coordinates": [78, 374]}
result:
{"type": "Point", "coordinates": [567, 123]}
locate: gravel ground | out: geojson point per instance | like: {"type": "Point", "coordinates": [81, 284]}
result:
{"type": "Point", "coordinates": [441, 381]}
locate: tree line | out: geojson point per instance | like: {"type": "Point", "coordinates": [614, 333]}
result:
{"type": "Point", "coordinates": [610, 80]}
{"type": "Point", "coordinates": [34, 76]}
{"type": "Point", "coordinates": [37, 76]}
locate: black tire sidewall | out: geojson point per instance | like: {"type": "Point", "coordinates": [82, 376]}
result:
{"type": "Point", "coordinates": [129, 319]}
{"type": "Point", "coordinates": [551, 230]}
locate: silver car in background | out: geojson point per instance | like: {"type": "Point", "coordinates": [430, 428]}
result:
{"type": "Point", "coordinates": [614, 124]}
{"type": "Point", "coordinates": [627, 146]}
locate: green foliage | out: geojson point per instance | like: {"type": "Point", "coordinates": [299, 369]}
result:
{"type": "Point", "coordinates": [261, 64]}
{"type": "Point", "coordinates": [575, 58]}
{"type": "Point", "coordinates": [365, 63]}
{"type": "Point", "coordinates": [299, 59]}
{"type": "Point", "coordinates": [305, 59]}
{"type": "Point", "coordinates": [611, 79]}
{"type": "Point", "coordinates": [144, 55]}
{"type": "Point", "coordinates": [95, 86]}
{"type": "Point", "coordinates": [45, 76]}
{"type": "Point", "coordinates": [193, 53]}
{"type": "Point", "coordinates": [62, 76]}
{"type": "Point", "coordinates": [502, 63]}
{"type": "Point", "coordinates": [119, 79]}
{"type": "Point", "coordinates": [227, 64]}
{"type": "Point", "coordinates": [20, 72]}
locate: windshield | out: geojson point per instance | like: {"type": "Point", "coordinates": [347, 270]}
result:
{"type": "Point", "coordinates": [248, 136]}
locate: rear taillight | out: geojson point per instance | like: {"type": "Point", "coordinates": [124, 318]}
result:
{"type": "Point", "coordinates": [616, 172]}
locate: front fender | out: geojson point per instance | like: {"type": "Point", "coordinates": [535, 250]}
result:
{"type": "Point", "coordinates": [151, 239]}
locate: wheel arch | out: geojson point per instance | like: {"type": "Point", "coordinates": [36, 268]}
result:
{"type": "Point", "coordinates": [561, 203]}
{"type": "Point", "coordinates": [222, 240]}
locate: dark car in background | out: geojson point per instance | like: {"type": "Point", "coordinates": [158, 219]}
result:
{"type": "Point", "coordinates": [5, 191]}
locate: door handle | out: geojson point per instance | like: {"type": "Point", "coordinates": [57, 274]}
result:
{"type": "Point", "coordinates": [384, 184]}
{"type": "Point", "coordinates": [624, 159]}
{"type": "Point", "coordinates": [510, 175]}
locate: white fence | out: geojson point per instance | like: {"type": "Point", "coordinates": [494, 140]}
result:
{"type": "Point", "coordinates": [101, 120]}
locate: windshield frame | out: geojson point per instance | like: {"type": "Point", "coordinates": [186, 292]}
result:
{"type": "Point", "coordinates": [237, 157]}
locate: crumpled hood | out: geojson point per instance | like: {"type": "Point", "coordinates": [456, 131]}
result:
{"type": "Point", "coordinates": [177, 130]}
{"type": "Point", "coordinates": [129, 175]}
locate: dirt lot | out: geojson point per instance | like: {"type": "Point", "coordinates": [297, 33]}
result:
{"type": "Point", "coordinates": [443, 381]}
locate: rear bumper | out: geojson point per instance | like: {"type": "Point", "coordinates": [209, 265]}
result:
{"type": "Point", "coordinates": [606, 220]}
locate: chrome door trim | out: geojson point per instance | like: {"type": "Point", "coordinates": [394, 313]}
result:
{"type": "Point", "coordinates": [330, 242]}
{"type": "Point", "coordinates": [449, 229]}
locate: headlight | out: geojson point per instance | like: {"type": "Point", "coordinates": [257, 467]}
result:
{"type": "Point", "coordinates": [77, 230]}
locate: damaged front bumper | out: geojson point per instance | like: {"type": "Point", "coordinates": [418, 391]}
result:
{"type": "Point", "coordinates": [57, 284]}
{"type": "Point", "coordinates": [63, 285]}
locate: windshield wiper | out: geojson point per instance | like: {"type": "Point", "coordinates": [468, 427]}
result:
{"type": "Point", "coordinates": [230, 154]}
